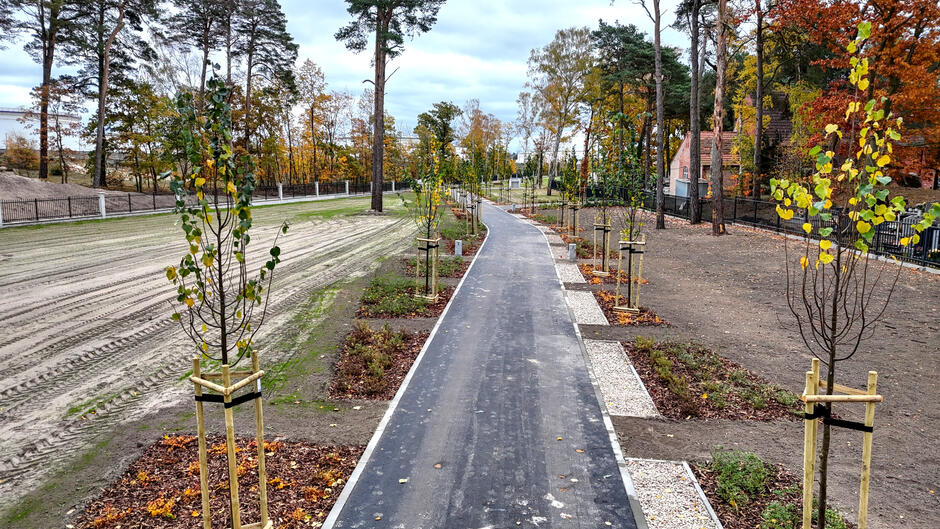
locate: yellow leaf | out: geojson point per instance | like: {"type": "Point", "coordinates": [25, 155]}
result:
{"type": "Point", "coordinates": [807, 227]}
{"type": "Point", "coordinates": [863, 227]}
{"type": "Point", "coordinates": [883, 160]}
{"type": "Point", "coordinates": [230, 187]}
{"type": "Point", "coordinates": [832, 127]}
{"type": "Point", "coordinates": [171, 273]}
{"type": "Point", "coordinates": [200, 181]}
{"type": "Point", "coordinates": [785, 214]}
{"type": "Point", "coordinates": [826, 257]}
{"type": "Point", "coordinates": [804, 262]}
{"type": "Point", "coordinates": [825, 245]}
{"type": "Point", "coordinates": [863, 84]}
{"type": "Point", "coordinates": [905, 241]}
{"type": "Point", "coordinates": [189, 302]}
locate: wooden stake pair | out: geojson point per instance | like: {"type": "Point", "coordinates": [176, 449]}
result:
{"type": "Point", "coordinates": [605, 249]}
{"type": "Point", "coordinates": [226, 390]}
{"type": "Point", "coordinates": [431, 248]}
{"type": "Point", "coordinates": [811, 397]}
{"type": "Point", "coordinates": [634, 273]}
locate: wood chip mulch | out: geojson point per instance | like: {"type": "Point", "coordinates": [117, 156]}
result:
{"type": "Point", "coordinates": [698, 403]}
{"type": "Point", "coordinates": [351, 378]}
{"type": "Point", "coordinates": [645, 318]}
{"type": "Point", "coordinates": [748, 516]}
{"type": "Point", "coordinates": [611, 279]}
{"type": "Point", "coordinates": [161, 488]}
{"type": "Point", "coordinates": [431, 310]}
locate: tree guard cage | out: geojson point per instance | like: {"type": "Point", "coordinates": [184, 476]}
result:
{"type": "Point", "coordinates": [430, 248]}
{"type": "Point", "coordinates": [819, 406]}
{"type": "Point", "coordinates": [224, 394]}
{"type": "Point", "coordinates": [634, 272]}
{"type": "Point", "coordinates": [604, 228]}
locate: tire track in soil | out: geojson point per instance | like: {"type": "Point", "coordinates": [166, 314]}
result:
{"type": "Point", "coordinates": [121, 365]}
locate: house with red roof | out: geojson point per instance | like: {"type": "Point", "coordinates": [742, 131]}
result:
{"type": "Point", "coordinates": [681, 162]}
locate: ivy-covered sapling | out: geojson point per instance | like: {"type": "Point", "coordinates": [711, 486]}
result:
{"type": "Point", "coordinates": [221, 303]}
{"type": "Point", "coordinates": [834, 290]}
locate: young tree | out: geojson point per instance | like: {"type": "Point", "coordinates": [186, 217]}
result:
{"type": "Point", "coordinates": [717, 165]}
{"type": "Point", "coordinates": [391, 21]}
{"type": "Point", "coordinates": [557, 72]}
{"type": "Point", "coordinates": [266, 46]}
{"type": "Point", "coordinates": [221, 306]}
{"type": "Point", "coordinates": [656, 17]}
{"type": "Point", "coordinates": [63, 110]}
{"type": "Point", "coordinates": [836, 294]}
{"type": "Point", "coordinates": [311, 86]}
{"type": "Point", "coordinates": [759, 97]}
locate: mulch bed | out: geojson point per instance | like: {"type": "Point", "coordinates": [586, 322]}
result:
{"type": "Point", "coordinates": [459, 271]}
{"type": "Point", "coordinates": [431, 310]}
{"type": "Point", "coordinates": [748, 516]}
{"type": "Point", "coordinates": [351, 378]}
{"type": "Point", "coordinates": [611, 279]}
{"type": "Point", "coordinates": [644, 318]}
{"type": "Point", "coordinates": [585, 247]}
{"type": "Point", "coordinates": [470, 246]}
{"type": "Point", "coordinates": [161, 488]}
{"type": "Point", "coordinates": [702, 402]}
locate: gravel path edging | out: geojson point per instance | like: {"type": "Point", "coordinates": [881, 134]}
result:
{"type": "Point", "coordinates": [624, 391]}
{"type": "Point", "coordinates": [568, 272]}
{"type": "Point", "coordinates": [671, 501]}
{"type": "Point", "coordinates": [585, 307]}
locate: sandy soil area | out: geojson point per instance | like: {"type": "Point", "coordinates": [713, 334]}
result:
{"type": "Point", "coordinates": [84, 321]}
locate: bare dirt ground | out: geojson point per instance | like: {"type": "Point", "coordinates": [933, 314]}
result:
{"type": "Point", "coordinates": [728, 293]}
{"type": "Point", "coordinates": [15, 187]}
{"type": "Point", "coordinates": [84, 321]}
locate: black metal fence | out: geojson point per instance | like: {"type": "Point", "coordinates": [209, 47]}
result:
{"type": "Point", "coordinates": [763, 214]}
{"type": "Point", "coordinates": [37, 209]}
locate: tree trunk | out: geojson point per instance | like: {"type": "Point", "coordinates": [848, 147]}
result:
{"type": "Point", "coordinates": [378, 136]}
{"type": "Point", "coordinates": [660, 124]}
{"type": "Point", "coordinates": [249, 66]}
{"type": "Point", "coordinates": [99, 177]}
{"type": "Point", "coordinates": [695, 103]}
{"type": "Point", "coordinates": [718, 219]}
{"type": "Point", "coordinates": [313, 139]}
{"type": "Point", "coordinates": [758, 103]}
{"type": "Point", "coordinates": [645, 145]}
{"type": "Point", "coordinates": [290, 151]}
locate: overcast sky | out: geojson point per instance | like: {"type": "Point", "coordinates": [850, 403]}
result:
{"type": "Point", "coordinates": [478, 49]}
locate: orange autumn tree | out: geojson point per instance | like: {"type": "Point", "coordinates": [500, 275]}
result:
{"type": "Point", "coordinates": [903, 51]}
{"type": "Point", "coordinates": [835, 292]}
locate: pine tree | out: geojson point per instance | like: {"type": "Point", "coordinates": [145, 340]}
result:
{"type": "Point", "coordinates": [391, 21]}
{"type": "Point", "coordinates": [198, 24]}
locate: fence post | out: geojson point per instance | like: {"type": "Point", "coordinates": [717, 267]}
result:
{"type": "Point", "coordinates": [370, 187]}
{"type": "Point", "coordinates": [1, 213]}
{"type": "Point", "coordinates": [101, 205]}
{"type": "Point", "coordinates": [280, 191]}
{"type": "Point", "coordinates": [129, 206]}
{"type": "Point", "coordinates": [734, 210]}
{"type": "Point", "coordinates": [316, 188]}
{"type": "Point", "coordinates": [36, 207]}
{"type": "Point", "coordinates": [347, 187]}
{"type": "Point", "coordinates": [70, 206]}
{"type": "Point", "coordinates": [393, 186]}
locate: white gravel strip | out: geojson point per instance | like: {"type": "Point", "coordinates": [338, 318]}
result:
{"type": "Point", "coordinates": [568, 272]}
{"type": "Point", "coordinates": [553, 238]}
{"type": "Point", "coordinates": [624, 392]}
{"type": "Point", "coordinates": [670, 496]}
{"type": "Point", "coordinates": [585, 308]}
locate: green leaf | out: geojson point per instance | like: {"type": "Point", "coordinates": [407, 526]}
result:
{"type": "Point", "coordinates": [864, 29]}
{"type": "Point", "coordinates": [825, 232]}
{"type": "Point", "coordinates": [861, 245]}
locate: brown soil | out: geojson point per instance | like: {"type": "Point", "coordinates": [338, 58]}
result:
{"type": "Point", "coordinates": [15, 187]}
{"type": "Point", "coordinates": [694, 399]}
{"type": "Point", "coordinates": [728, 293]}
{"type": "Point", "coordinates": [352, 379]}
{"type": "Point", "coordinates": [161, 488]}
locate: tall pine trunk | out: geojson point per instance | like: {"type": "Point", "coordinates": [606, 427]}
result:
{"type": "Point", "coordinates": [718, 185]}
{"type": "Point", "coordinates": [695, 128]}
{"type": "Point", "coordinates": [758, 103]}
{"type": "Point", "coordinates": [103, 81]}
{"type": "Point", "coordinates": [378, 135]}
{"type": "Point", "coordinates": [660, 124]}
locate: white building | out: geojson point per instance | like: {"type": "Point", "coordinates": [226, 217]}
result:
{"type": "Point", "coordinates": [11, 122]}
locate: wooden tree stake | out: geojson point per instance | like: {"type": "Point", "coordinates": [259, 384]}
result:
{"type": "Point", "coordinates": [230, 445]}
{"type": "Point", "coordinates": [203, 464]}
{"type": "Point", "coordinates": [866, 454]}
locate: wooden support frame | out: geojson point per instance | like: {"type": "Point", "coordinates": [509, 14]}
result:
{"type": "Point", "coordinates": [200, 383]}
{"type": "Point", "coordinates": [846, 394]}
{"type": "Point", "coordinates": [575, 206]}
{"type": "Point", "coordinates": [432, 248]}
{"type": "Point", "coordinates": [605, 249]}
{"type": "Point", "coordinates": [634, 273]}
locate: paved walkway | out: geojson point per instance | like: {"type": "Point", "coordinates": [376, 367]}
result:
{"type": "Point", "coordinates": [500, 426]}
